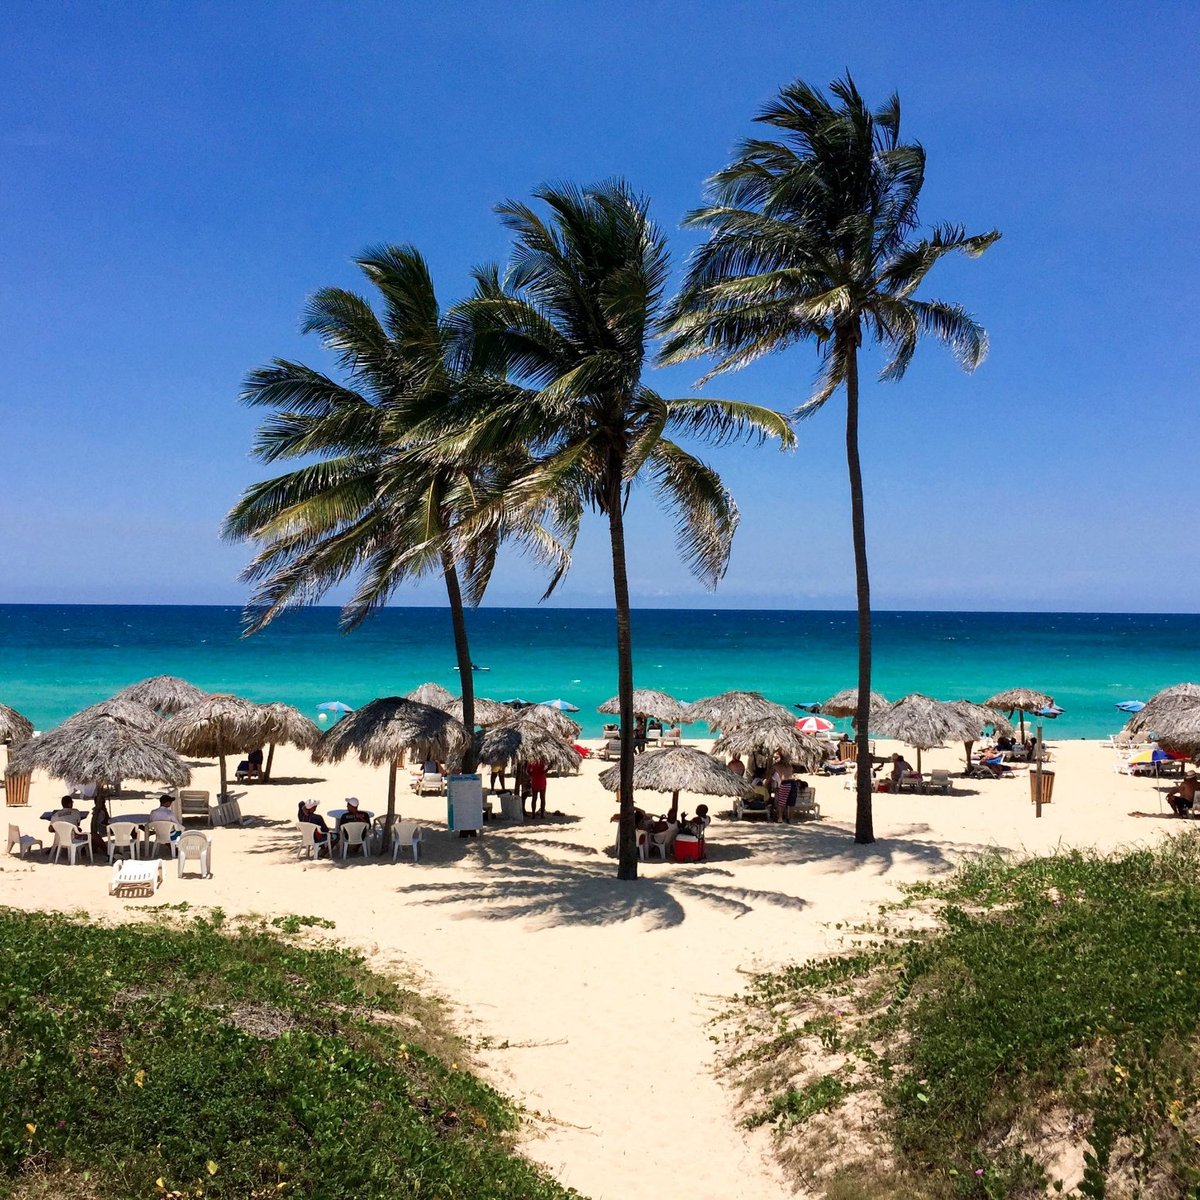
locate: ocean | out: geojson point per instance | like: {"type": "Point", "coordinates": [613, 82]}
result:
{"type": "Point", "coordinates": [55, 659]}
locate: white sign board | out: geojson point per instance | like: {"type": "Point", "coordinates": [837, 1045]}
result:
{"type": "Point", "coordinates": [464, 802]}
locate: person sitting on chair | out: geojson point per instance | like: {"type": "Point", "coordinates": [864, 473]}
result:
{"type": "Point", "coordinates": [353, 814]}
{"type": "Point", "coordinates": [1004, 742]}
{"type": "Point", "coordinates": [1183, 798]}
{"type": "Point", "coordinates": [736, 765]}
{"type": "Point", "coordinates": [67, 812]}
{"type": "Point", "coordinates": [901, 769]}
{"type": "Point", "coordinates": [307, 811]}
{"type": "Point", "coordinates": [165, 810]}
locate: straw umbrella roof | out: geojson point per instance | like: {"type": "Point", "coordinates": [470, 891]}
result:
{"type": "Point", "coordinates": [731, 710]}
{"type": "Point", "coordinates": [979, 715]}
{"type": "Point", "coordinates": [387, 729]}
{"type": "Point", "coordinates": [518, 741]}
{"type": "Point", "coordinates": [845, 704]}
{"type": "Point", "coordinates": [163, 693]}
{"type": "Point", "coordinates": [679, 769]}
{"type": "Point", "coordinates": [549, 718]}
{"type": "Point", "coordinates": [101, 749]}
{"type": "Point", "coordinates": [288, 726]}
{"type": "Point", "coordinates": [13, 726]}
{"type": "Point", "coordinates": [923, 723]}
{"type": "Point", "coordinates": [800, 749]}
{"type": "Point", "coordinates": [487, 712]}
{"type": "Point", "coordinates": [1173, 707]}
{"type": "Point", "coordinates": [216, 726]}
{"type": "Point", "coordinates": [649, 703]}
{"type": "Point", "coordinates": [1020, 699]}
{"type": "Point", "coordinates": [432, 694]}
{"type": "Point", "coordinates": [132, 712]}
{"type": "Point", "coordinates": [1180, 730]}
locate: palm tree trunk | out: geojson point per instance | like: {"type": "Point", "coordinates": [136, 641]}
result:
{"type": "Point", "coordinates": [627, 856]}
{"type": "Point", "coordinates": [864, 830]}
{"type": "Point", "coordinates": [463, 652]}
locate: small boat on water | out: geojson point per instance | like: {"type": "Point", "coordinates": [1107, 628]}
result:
{"type": "Point", "coordinates": [477, 667]}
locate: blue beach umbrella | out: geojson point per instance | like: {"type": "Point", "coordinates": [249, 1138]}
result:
{"type": "Point", "coordinates": [561, 705]}
{"type": "Point", "coordinates": [1050, 711]}
{"type": "Point", "coordinates": [334, 706]}
{"type": "Point", "coordinates": [1131, 706]}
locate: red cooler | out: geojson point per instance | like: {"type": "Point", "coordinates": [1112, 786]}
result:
{"type": "Point", "coordinates": [687, 848]}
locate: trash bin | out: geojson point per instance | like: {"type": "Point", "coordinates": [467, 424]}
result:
{"type": "Point", "coordinates": [16, 790]}
{"type": "Point", "coordinates": [1047, 778]}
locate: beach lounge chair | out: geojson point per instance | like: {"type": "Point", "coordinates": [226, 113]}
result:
{"type": "Point", "coordinates": [161, 831]}
{"type": "Point", "coordinates": [356, 833]}
{"type": "Point", "coordinates": [193, 844]}
{"type": "Point", "coordinates": [67, 837]}
{"type": "Point", "coordinates": [758, 805]}
{"type": "Point", "coordinates": [611, 750]}
{"type": "Point", "coordinates": [406, 834]}
{"type": "Point", "coordinates": [806, 803]}
{"type": "Point", "coordinates": [430, 783]}
{"type": "Point", "coordinates": [24, 842]}
{"type": "Point", "coordinates": [135, 879]}
{"type": "Point", "coordinates": [246, 770]}
{"type": "Point", "coordinates": [309, 846]}
{"type": "Point", "coordinates": [194, 805]}
{"type": "Point", "coordinates": [671, 737]}
{"type": "Point", "coordinates": [122, 835]}
{"type": "Point", "coordinates": [938, 781]}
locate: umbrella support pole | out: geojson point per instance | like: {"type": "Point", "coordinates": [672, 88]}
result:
{"type": "Point", "coordinates": [1038, 772]}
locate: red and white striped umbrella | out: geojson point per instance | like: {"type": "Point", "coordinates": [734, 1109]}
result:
{"type": "Point", "coordinates": [814, 724]}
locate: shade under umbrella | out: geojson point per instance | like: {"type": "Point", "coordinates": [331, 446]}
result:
{"type": "Point", "coordinates": [923, 723]}
{"type": "Point", "coordinates": [101, 749]}
{"type": "Point", "coordinates": [167, 694]}
{"type": "Point", "coordinates": [432, 694]}
{"type": "Point", "coordinates": [386, 730]}
{"type": "Point", "coordinates": [287, 726]}
{"type": "Point", "coordinates": [132, 712]}
{"type": "Point", "coordinates": [678, 769]}
{"type": "Point", "coordinates": [800, 749]}
{"type": "Point", "coordinates": [217, 726]}
{"type": "Point", "coordinates": [845, 704]}
{"type": "Point", "coordinates": [1020, 700]}
{"type": "Point", "coordinates": [525, 742]}
{"type": "Point", "coordinates": [487, 712]}
{"type": "Point", "coordinates": [731, 710]}
{"type": "Point", "coordinates": [14, 728]}
{"type": "Point", "coordinates": [549, 718]}
{"type": "Point", "coordinates": [649, 703]}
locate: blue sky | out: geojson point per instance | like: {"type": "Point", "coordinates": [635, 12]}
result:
{"type": "Point", "coordinates": [177, 178]}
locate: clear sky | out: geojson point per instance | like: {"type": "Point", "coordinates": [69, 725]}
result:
{"type": "Point", "coordinates": [177, 178]}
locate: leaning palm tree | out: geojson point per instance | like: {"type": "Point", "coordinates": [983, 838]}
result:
{"type": "Point", "coordinates": [814, 237]}
{"type": "Point", "coordinates": [570, 325]}
{"type": "Point", "coordinates": [382, 503]}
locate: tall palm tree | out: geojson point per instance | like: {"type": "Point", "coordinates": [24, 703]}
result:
{"type": "Point", "coordinates": [570, 324]}
{"type": "Point", "coordinates": [815, 237]}
{"type": "Point", "coordinates": [382, 502]}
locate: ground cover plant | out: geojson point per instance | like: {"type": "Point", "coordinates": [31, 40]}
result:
{"type": "Point", "coordinates": [188, 1058]}
{"type": "Point", "coordinates": [1025, 1027]}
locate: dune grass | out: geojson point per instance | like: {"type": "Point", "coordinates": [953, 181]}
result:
{"type": "Point", "coordinates": [188, 1058]}
{"type": "Point", "coordinates": [1035, 1030]}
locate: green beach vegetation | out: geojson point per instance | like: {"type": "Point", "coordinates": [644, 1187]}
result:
{"type": "Point", "coordinates": [251, 1066]}
{"type": "Point", "coordinates": [1023, 1027]}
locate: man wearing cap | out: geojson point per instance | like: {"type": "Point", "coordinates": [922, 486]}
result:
{"type": "Point", "coordinates": [352, 815]}
{"type": "Point", "coordinates": [308, 812]}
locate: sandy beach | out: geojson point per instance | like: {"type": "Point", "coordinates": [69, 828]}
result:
{"type": "Point", "coordinates": [590, 998]}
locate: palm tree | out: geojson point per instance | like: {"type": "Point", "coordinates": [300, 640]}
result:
{"type": "Point", "coordinates": [815, 237]}
{"type": "Point", "coordinates": [382, 502]}
{"type": "Point", "coordinates": [571, 324]}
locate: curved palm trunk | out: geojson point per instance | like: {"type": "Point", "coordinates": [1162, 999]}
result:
{"type": "Point", "coordinates": [864, 830]}
{"type": "Point", "coordinates": [627, 856]}
{"type": "Point", "coordinates": [462, 651]}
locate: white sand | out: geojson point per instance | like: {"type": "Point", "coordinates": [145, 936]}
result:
{"type": "Point", "coordinates": [603, 990]}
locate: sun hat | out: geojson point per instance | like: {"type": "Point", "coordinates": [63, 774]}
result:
{"type": "Point", "coordinates": [351, 801]}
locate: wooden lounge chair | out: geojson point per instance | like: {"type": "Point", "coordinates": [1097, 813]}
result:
{"type": "Point", "coordinates": [135, 879]}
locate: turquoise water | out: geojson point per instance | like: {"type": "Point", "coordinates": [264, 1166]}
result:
{"type": "Point", "coordinates": [56, 659]}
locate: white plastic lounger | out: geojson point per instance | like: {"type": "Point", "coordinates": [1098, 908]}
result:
{"type": "Point", "coordinates": [135, 879]}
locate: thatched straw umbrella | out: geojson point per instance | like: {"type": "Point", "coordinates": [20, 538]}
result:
{"type": "Point", "coordinates": [802, 750]}
{"type": "Point", "coordinates": [432, 694]}
{"type": "Point", "coordinates": [649, 703]}
{"type": "Point", "coordinates": [132, 712]}
{"type": "Point", "coordinates": [525, 742]}
{"type": "Point", "coordinates": [923, 723]}
{"type": "Point", "coordinates": [678, 769]}
{"type": "Point", "coordinates": [549, 718]}
{"type": "Point", "coordinates": [730, 710]}
{"type": "Point", "coordinates": [166, 694]}
{"type": "Point", "coordinates": [384, 731]}
{"type": "Point", "coordinates": [1020, 700]}
{"type": "Point", "coordinates": [1167, 706]}
{"type": "Point", "coordinates": [845, 704]}
{"type": "Point", "coordinates": [101, 749]}
{"type": "Point", "coordinates": [487, 712]}
{"type": "Point", "coordinates": [289, 726]}
{"type": "Point", "coordinates": [14, 728]}
{"type": "Point", "coordinates": [217, 726]}
{"type": "Point", "coordinates": [977, 717]}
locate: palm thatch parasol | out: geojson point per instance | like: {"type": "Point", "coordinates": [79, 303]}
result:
{"type": "Point", "coordinates": [432, 694]}
{"type": "Point", "coordinates": [525, 742]}
{"type": "Point", "coordinates": [289, 726]}
{"type": "Point", "coordinates": [101, 749]}
{"type": "Point", "coordinates": [977, 716]}
{"type": "Point", "coordinates": [549, 718]}
{"type": "Point", "coordinates": [802, 750]}
{"type": "Point", "coordinates": [649, 703]}
{"type": "Point", "coordinates": [923, 723]}
{"type": "Point", "coordinates": [166, 694]}
{"type": "Point", "coordinates": [384, 731]}
{"type": "Point", "coordinates": [1020, 700]}
{"type": "Point", "coordinates": [14, 728]}
{"type": "Point", "coordinates": [132, 712]}
{"type": "Point", "coordinates": [845, 704]}
{"type": "Point", "coordinates": [1167, 706]}
{"type": "Point", "coordinates": [217, 726]}
{"type": "Point", "coordinates": [487, 712]}
{"type": "Point", "coordinates": [731, 710]}
{"type": "Point", "coordinates": [678, 769]}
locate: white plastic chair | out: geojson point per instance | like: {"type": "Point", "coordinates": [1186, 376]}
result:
{"type": "Point", "coordinates": [640, 837]}
{"type": "Point", "coordinates": [356, 833]}
{"type": "Point", "coordinates": [406, 833]}
{"type": "Point", "coordinates": [309, 846]}
{"type": "Point", "coordinates": [939, 781]}
{"type": "Point", "coordinates": [430, 782]}
{"type": "Point", "coordinates": [662, 842]}
{"type": "Point", "coordinates": [162, 831]}
{"type": "Point", "coordinates": [68, 838]}
{"type": "Point", "coordinates": [122, 835]}
{"type": "Point", "coordinates": [198, 846]}
{"type": "Point", "coordinates": [23, 841]}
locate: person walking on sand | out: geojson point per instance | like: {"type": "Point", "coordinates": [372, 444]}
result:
{"type": "Point", "coordinates": [537, 787]}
